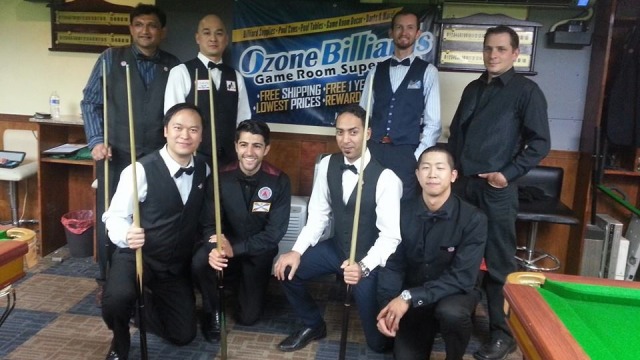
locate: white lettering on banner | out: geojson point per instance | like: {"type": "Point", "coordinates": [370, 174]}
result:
{"type": "Point", "coordinates": [355, 54]}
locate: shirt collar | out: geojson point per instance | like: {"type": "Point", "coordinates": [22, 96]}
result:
{"type": "Point", "coordinates": [446, 209]}
{"type": "Point", "coordinates": [137, 52]}
{"type": "Point", "coordinates": [172, 165]}
{"type": "Point", "coordinates": [205, 60]}
{"type": "Point", "coordinates": [410, 57]}
{"type": "Point", "coordinates": [504, 78]}
{"type": "Point", "coordinates": [367, 158]}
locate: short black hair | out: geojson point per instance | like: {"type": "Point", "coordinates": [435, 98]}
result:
{"type": "Point", "coordinates": [254, 127]}
{"type": "Point", "coordinates": [404, 12]}
{"type": "Point", "coordinates": [440, 149]}
{"type": "Point", "coordinates": [356, 110]}
{"type": "Point", "coordinates": [146, 9]}
{"type": "Point", "coordinates": [179, 107]}
{"type": "Point", "coordinates": [502, 29]}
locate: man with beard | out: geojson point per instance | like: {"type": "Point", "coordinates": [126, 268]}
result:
{"type": "Point", "coordinates": [405, 116]}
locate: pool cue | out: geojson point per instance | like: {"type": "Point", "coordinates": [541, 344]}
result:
{"type": "Point", "coordinates": [136, 223]}
{"type": "Point", "coordinates": [195, 90]}
{"type": "Point", "coordinates": [216, 205]}
{"type": "Point", "coordinates": [105, 163]}
{"type": "Point", "coordinates": [106, 133]}
{"type": "Point", "coordinates": [354, 230]}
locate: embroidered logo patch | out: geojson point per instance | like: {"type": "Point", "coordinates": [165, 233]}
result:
{"type": "Point", "coordinates": [265, 193]}
{"type": "Point", "coordinates": [231, 86]}
{"type": "Point", "coordinates": [261, 206]}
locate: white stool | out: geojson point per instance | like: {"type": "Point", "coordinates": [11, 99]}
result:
{"type": "Point", "coordinates": [27, 142]}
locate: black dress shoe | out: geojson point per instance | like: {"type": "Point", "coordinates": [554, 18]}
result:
{"type": "Point", "coordinates": [496, 349]}
{"type": "Point", "coordinates": [112, 355]}
{"type": "Point", "coordinates": [301, 338]}
{"type": "Point", "coordinates": [211, 326]}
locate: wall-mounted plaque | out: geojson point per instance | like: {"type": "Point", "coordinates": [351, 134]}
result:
{"type": "Point", "coordinates": [461, 42]}
{"type": "Point", "coordinates": [88, 25]}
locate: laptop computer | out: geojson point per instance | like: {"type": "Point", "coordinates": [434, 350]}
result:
{"type": "Point", "coordinates": [11, 159]}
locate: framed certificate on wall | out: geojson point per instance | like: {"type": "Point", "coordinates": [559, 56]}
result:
{"type": "Point", "coordinates": [461, 42]}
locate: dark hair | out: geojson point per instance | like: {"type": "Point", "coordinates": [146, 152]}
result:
{"type": "Point", "coordinates": [146, 9]}
{"type": "Point", "coordinates": [502, 29]}
{"type": "Point", "coordinates": [404, 12]}
{"type": "Point", "coordinates": [179, 107]}
{"type": "Point", "coordinates": [254, 127]}
{"type": "Point", "coordinates": [439, 149]}
{"type": "Point", "coordinates": [356, 110]}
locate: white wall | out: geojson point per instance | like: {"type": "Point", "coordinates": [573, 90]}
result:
{"type": "Point", "coordinates": [29, 72]}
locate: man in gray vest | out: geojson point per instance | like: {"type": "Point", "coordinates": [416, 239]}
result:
{"type": "Point", "coordinates": [149, 68]}
{"type": "Point", "coordinates": [334, 192]}
{"type": "Point", "coordinates": [229, 93]}
{"type": "Point", "coordinates": [405, 116]}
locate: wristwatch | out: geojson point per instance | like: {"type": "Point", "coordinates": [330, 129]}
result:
{"type": "Point", "coordinates": [406, 296]}
{"type": "Point", "coordinates": [364, 268]}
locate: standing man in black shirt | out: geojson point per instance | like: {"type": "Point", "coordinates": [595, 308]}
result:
{"type": "Point", "coordinates": [499, 132]}
{"type": "Point", "coordinates": [437, 263]}
{"type": "Point", "coordinates": [255, 198]}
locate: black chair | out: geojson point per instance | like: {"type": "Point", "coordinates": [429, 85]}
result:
{"type": "Point", "coordinates": [539, 192]}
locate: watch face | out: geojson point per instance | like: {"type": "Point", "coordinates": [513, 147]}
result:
{"type": "Point", "coordinates": [405, 295]}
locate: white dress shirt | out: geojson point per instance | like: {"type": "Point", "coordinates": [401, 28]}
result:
{"type": "Point", "coordinates": [431, 113]}
{"type": "Point", "coordinates": [388, 194]}
{"type": "Point", "coordinates": [179, 86]}
{"type": "Point", "coordinates": [119, 217]}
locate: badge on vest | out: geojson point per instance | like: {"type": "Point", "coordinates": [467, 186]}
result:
{"type": "Point", "coordinates": [265, 193]}
{"type": "Point", "coordinates": [415, 84]}
{"type": "Point", "coordinates": [259, 206]}
{"type": "Point", "coordinates": [204, 85]}
{"type": "Point", "coordinates": [231, 86]}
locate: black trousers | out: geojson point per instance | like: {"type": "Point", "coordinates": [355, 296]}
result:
{"type": "Point", "coordinates": [401, 160]}
{"type": "Point", "coordinates": [169, 303]}
{"type": "Point", "coordinates": [248, 277]}
{"type": "Point", "coordinates": [501, 207]}
{"type": "Point", "coordinates": [451, 316]}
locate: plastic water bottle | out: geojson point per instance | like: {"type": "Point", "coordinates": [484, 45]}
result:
{"type": "Point", "coordinates": [54, 105]}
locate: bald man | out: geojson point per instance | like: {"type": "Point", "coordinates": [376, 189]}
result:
{"type": "Point", "coordinates": [231, 103]}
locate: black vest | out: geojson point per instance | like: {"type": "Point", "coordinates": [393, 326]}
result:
{"type": "Point", "coordinates": [147, 103]}
{"type": "Point", "coordinates": [170, 227]}
{"type": "Point", "coordinates": [401, 112]}
{"type": "Point", "coordinates": [225, 102]}
{"type": "Point", "coordinates": [343, 214]}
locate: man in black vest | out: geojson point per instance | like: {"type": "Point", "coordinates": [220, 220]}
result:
{"type": "Point", "coordinates": [405, 116]}
{"type": "Point", "coordinates": [255, 198]}
{"type": "Point", "coordinates": [229, 93]}
{"type": "Point", "coordinates": [499, 132]}
{"type": "Point", "coordinates": [149, 68]}
{"type": "Point", "coordinates": [175, 208]}
{"type": "Point", "coordinates": [437, 264]}
{"type": "Point", "coordinates": [378, 234]}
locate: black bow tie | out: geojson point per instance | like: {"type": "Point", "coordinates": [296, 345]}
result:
{"type": "Point", "coordinates": [433, 216]}
{"type": "Point", "coordinates": [351, 167]}
{"type": "Point", "coordinates": [405, 62]}
{"type": "Point", "coordinates": [247, 180]}
{"type": "Point", "coordinates": [154, 59]}
{"type": "Point", "coordinates": [213, 65]}
{"type": "Point", "coordinates": [182, 170]}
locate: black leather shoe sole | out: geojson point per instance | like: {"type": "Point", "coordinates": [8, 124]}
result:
{"type": "Point", "coordinates": [302, 338]}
